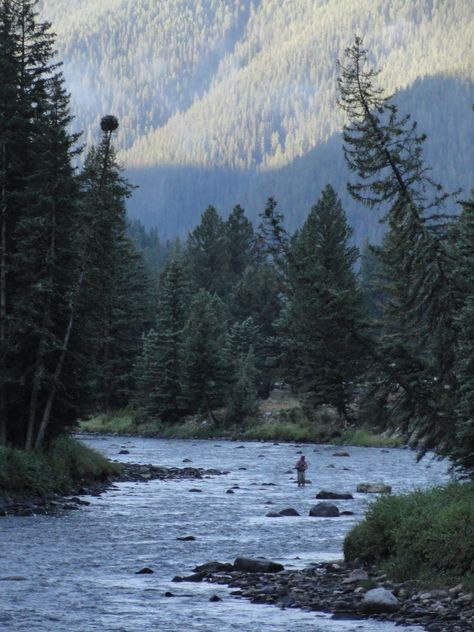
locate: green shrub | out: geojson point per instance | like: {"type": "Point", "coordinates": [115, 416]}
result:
{"type": "Point", "coordinates": [64, 464]}
{"type": "Point", "coordinates": [423, 534]}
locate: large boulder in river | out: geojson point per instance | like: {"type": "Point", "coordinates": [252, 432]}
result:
{"type": "Point", "coordinates": [325, 495]}
{"type": "Point", "coordinates": [256, 565]}
{"type": "Point", "coordinates": [374, 488]}
{"type": "Point", "coordinates": [379, 600]}
{"type": "Point", "coordinates": [324, 510]}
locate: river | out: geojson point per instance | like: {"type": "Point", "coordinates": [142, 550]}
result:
{"type": "Point", "coordinates": [77, 571]}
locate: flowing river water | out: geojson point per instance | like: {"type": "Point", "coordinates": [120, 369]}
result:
{"type": "Point", "coordinates": [77, 572]}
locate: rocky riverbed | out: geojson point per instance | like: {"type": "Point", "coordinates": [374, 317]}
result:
{"type": "Point", "coordinates": [131, 472]}
{"type": "Point", "coordinates": [346, 590]}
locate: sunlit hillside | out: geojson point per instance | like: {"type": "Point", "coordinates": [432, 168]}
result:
{"type": "Point", "coordinates": [231, 101]}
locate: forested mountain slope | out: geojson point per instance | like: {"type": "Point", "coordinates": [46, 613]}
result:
{"type": "Point", "coordinates": [231, 101]}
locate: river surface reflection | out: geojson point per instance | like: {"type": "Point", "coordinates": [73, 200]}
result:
{"type": "Point", "coordinates": [76, 572]}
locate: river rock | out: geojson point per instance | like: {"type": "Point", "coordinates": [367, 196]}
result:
{"type": "Point", "coordinates": [379, 600]}
{"type": "Point", "coordinates": [326, 495]}
{"type": "Point", "coordinates": [341, 454]}
{"type": "Point", "coordinates": [258, 565]}
{"type": "Point", "coordinates": [186, 538]}
{"type": "Point", "coordinates": [124, 452]}
{"type": "Point", "coordinates": [214, 567]}
{"type": "Point", "coordinates": [215, 598]}
{"type": "Point", "coordinates": [324, 510]}
{"type": "Point", "coordinates": [145, 571]}
{"type": "Point", "coordinates": [289, 512]}
{"type": "Point", "coordinates": [273, 514]}
{"type": "Point", "coordinates": [374, 488]}
{"type": "Point", "coordinates": [357, 575]}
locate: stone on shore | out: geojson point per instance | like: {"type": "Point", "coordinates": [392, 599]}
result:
{"type": "Point", "coordinates": [374, 488]}
{"type": "Point", "coordinates": [379, 600]}
{"type": "Point", "coordinates": [259, 565]}
{"type": "Point", "coordinates": [324, 510]}
{"type": "Point", "coordinates": [357, 575]}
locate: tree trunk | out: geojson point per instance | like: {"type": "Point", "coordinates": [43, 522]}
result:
{"type": "Point", "coordinates": [59, 367]}
{"type": "Point", "coordinates": [39, 365]}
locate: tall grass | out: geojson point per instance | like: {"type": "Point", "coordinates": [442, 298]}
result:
{"type": "Point", "coordinates": [58, 469]}
{"type": "Point", "coordinates": [424, 535]}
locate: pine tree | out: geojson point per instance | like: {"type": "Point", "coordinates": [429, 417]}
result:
{"type": "Point", "coordinates": [241, 243]}
{"type": "Point", "coordinates": [241, 400]}
{"type": "Point", "coordinates": [163, 396]}
{"type": "Point", "coordinates": [208, 254]}
{"type": "Point", "coordinates": [203, 374]}
{"type": "Point", "coordinates": [257, 297]}
{"type": "Point", "coordinates": [385, 151]}
{"type": "Point", "coordinates": [323, 357]}
{"type": "Point", "coordinates": [464, 447]}
{"type": "Point", "coordinates": [39, 203]}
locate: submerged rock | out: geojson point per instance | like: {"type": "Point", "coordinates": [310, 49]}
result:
{"type": "Point", "coordinates": [324, 510]}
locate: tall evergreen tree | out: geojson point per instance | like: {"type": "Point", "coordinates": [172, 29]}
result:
{"type": "Point", "coordinates": [208, 256]}
{"type": "Point", "coordinates": [323, 357]}
{"type": "Point", "coordinates": [241, 243]}
{"type": "Point", "coordinates": [385, 151]}
{"type": "Point", "coordinates": [464, 446]}
{"type": "Point", "coordinates": [159, 370]}
{"type": "Point", "coordinates": [203, 374]}
{"type": "Point", "coordinates": [39, 204]}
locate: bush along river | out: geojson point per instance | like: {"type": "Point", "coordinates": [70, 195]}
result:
{"type": "Point", "coordinates": [118, 563]}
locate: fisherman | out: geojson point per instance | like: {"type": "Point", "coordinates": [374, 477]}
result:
{"type": "Point", "coordinates": [301, 467]}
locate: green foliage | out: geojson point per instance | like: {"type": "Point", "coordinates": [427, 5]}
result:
{"type": "Point", "coordinates": [415, 350]}
{"type": "Point", "coordinates": [321, 352]}
{"type": "Point", "coordinates": [61, 467]}
{"type": "Point", "coordinates": [208, 254]}
{"type": "Point", "coordinates": [418, 535]}
{"type": "Point", "coordinates": [366, 437]}
{"type": "Point", "coordinates": [242, 400]}
{"type": "Point", "coordinates": [203, 374]}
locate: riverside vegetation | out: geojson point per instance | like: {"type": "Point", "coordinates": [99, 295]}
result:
{"type": "Point", "coordinates": [87, 325]}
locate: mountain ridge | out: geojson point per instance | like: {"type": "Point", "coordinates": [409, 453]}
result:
{"type": "Point", "coordinates": [249, 88]}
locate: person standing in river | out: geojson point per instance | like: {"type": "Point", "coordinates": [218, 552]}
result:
{"type": "Point", "coordinates": [301, 467]}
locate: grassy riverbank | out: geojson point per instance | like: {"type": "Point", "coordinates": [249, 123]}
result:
{"type": "Point", "coordinates": [426, 536]}
{"type": "Point", "coordinates": [284, 420]}
{"type": "Point", "coordinates": [61, 468]}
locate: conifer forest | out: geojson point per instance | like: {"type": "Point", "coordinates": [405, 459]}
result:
{"type": "Point", "coordinates": [99, 312]}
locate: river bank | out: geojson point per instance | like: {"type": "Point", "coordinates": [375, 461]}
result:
{"type": "Point", "coordinates": [344, 590]}
{"type": "Point", "coordinates": [281, 419]}
{"type": "Point", "coordinates": [53, 503]}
